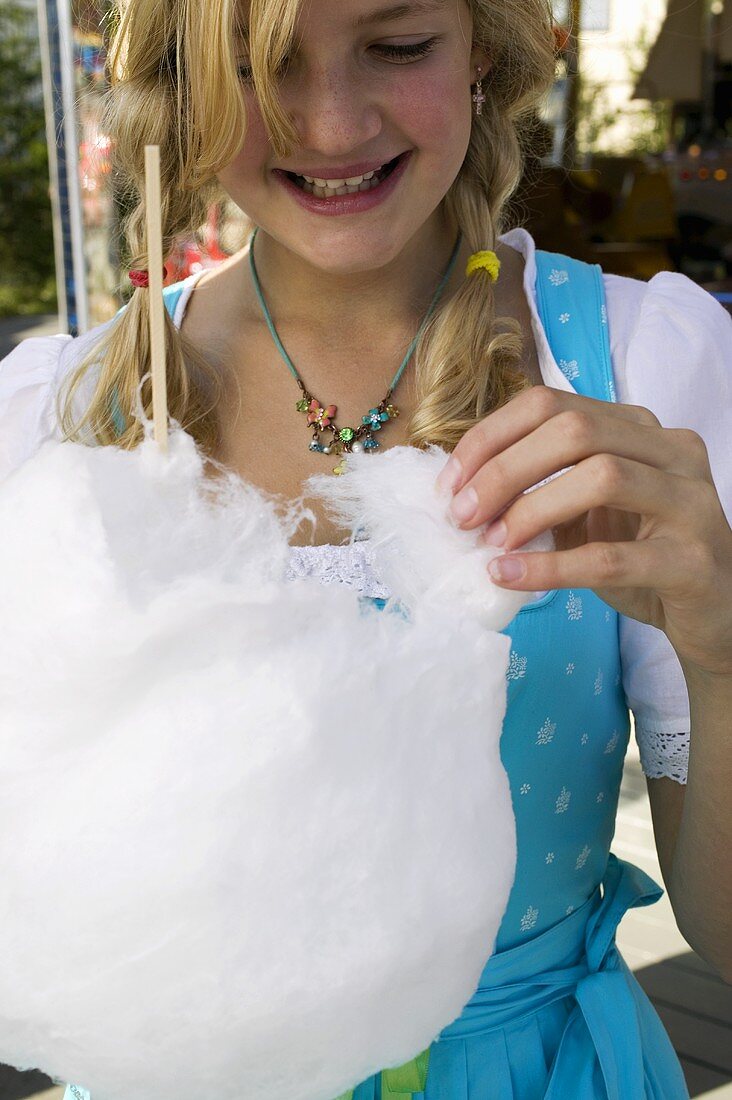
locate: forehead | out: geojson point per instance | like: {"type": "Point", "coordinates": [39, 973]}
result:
{"type": "Point", "coordinates": [363, 13]}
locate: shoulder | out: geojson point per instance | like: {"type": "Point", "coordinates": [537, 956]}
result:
{"type": "Point", "coordinates": [668, 307]}
{"type": "Point", "coordinates": [671, 347]}
{"type": "Point", "coordinates": [176, 298]}
{"type": "Point", "coordinates": [669, 318]}
{"type": "Point", "coordinates": [30, 380]}
{"type": "Point", "coordinates": [665, 328]}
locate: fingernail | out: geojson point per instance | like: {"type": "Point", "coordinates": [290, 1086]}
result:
{"type": "Point", "coordinates": [449, 477]}
{"type": "Point", "coordinates": [506, 569]}
{"type": "Point", "coordinates": [495, 535]}
{"type": "Point", "coordinates": [464, 505]}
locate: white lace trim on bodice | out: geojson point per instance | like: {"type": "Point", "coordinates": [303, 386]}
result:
{"type": "Point", "coordinates": [352, 565]}
{"type": "Point", "coordinates": [663, 754]}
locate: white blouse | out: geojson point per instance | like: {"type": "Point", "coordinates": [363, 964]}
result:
{"type": "Point", "coordinates": [671, 346]}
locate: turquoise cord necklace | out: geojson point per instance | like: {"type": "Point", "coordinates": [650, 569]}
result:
{"type": "Point", "coordinates": [321, 418]}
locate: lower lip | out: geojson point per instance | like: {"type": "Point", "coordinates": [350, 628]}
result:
{"type": "Point", "coordinates": [345, 204]}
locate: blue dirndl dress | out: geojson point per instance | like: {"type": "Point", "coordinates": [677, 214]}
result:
{"type": "Point", "coordinates": [557, 1014]}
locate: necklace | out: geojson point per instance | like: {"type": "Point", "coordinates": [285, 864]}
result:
{"type": "Point", "coordinates": [321, 417]}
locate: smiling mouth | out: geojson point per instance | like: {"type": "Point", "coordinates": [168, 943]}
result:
{"type": "Point", "coordinates": [324, 189]}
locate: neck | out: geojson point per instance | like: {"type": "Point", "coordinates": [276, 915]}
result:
{"type": "Point", "coordinates": [394, 296]}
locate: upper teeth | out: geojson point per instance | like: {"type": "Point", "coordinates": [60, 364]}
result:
{"type": "Point", "coordinates": [333, 184]}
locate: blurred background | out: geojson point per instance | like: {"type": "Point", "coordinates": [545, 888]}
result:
{"type": "Point", "coordinates": [631, 168]}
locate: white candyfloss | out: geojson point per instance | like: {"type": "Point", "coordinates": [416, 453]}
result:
{"type": "Point", "coordinates": [256, 837]}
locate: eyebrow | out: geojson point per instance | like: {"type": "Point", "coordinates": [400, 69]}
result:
{"type": "Point", "coordinates": [399, 11]}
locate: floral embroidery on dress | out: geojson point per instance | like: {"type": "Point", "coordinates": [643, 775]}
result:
{"type": "Point", "coordinates": [524, 788]}
{"type": "Point", "coordinates": [529, 918]}
{"type": "Point", "coordinates": [569, 369]}
{"type": "Point", "coordinates": [574, 607]}
{"type": "Point", "coordinates": [570, 668]}
{"type": "Point", "coordinates": [546, 734]}
{"type": "Point", "coordinates": [582, 858]}
{"type": "Point", "coordinates": [584, 738]}
{"type": "Point", "coordinates": [563, 317]}
{"type": "Point", "coordinates": [549, 857]}
{"type": "Point", "coordinates": [516, 667]}
{"type": "Point", "coordinates": [562, 801]}
{"type": "Point", "coordinates": [598, 682]}
{"type": "Point", "coordinates": [600, 797]}
{"type": "Point", "coordinates": [612, 743]}
{"type": "Point", "coordinates": [558, 277]}
{"type": "Point", "coordinates": [569, 909]}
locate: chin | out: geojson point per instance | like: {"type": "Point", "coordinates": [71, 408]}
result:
{"type": "Point", "coordinates": [347, 250]}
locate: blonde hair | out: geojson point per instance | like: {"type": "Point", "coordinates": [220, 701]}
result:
{"type": "Point", "coordinates": [173, 82]}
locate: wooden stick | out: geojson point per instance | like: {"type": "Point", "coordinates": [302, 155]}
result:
{"type": "Point", "coordinates": [157, 306]}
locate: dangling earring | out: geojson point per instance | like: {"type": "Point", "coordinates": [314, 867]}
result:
{"type": "Point", "coordinates": [479, 98]}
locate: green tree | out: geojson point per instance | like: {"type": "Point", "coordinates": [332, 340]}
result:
{"type": "Point", "coordinates": [646, 125]}
{"type": "Point", "coordinates": [27, 270]}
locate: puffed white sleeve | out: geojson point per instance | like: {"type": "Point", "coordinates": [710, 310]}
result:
{"type": "Point", "coordinates": [671, 346]}
{"type": "Point", "coordinates": [28, 380]}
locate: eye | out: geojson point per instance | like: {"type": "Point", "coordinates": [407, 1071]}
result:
{"type": "Point", "coordinates": [399, 53]}
{"type": "Point", "coordinates": [406, 51]}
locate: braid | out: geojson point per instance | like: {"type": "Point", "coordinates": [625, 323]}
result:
{"type": "Point", "coordinates": [467, 361]}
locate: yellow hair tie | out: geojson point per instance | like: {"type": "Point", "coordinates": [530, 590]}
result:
{"type": "Point", "coordinates": [486, 261]}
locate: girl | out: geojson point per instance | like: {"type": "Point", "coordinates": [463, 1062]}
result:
{"type": "Point", "coordinates": [374, 144]}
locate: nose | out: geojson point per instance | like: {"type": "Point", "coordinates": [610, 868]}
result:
{"type": "Point", "coordinates": [334, 112]}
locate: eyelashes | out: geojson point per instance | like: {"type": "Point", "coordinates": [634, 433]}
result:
{"type": "Point", "coordinates": [407, 51]}
{"type": "Point", "coordinates": [396, 53]}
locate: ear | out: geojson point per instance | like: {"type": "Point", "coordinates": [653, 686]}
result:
{"type": "Point", "coordinates": [479, 57]}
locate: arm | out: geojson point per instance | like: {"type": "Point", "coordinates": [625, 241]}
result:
{"type": "Point", "coordinates": [693, 825]}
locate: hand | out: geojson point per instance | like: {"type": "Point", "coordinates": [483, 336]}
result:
{"type": "Point", "coordinates": [637, 518]}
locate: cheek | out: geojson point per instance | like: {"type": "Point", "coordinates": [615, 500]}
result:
{"type": "Point", "coordinates": [254, 154]}
{"type": "Point", "coordinates": [435, 113]}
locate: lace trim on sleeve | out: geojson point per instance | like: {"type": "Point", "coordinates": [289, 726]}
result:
{"type": "Point", "coordinates": [663, 754]}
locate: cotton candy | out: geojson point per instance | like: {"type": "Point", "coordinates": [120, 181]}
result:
{"type": "Point", "coordinates": [256, 837]}
{"type": "Point", "coordinates": [421, 554]}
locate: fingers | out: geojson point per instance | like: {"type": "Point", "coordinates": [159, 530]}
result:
{"type": "Point", "coordinates": [657, 565]}
{"type": "Point", "coordinates": [596, 565]}
{"type": "Point", "coordinates": [507, 425]}
{"type": "Point", "coordinates": [568, 438]}
{"type": "Point", "coordinates": [601, 480]}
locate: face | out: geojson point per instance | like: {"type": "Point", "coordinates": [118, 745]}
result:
{"type": "Point", "coordinates": [375, 88]}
